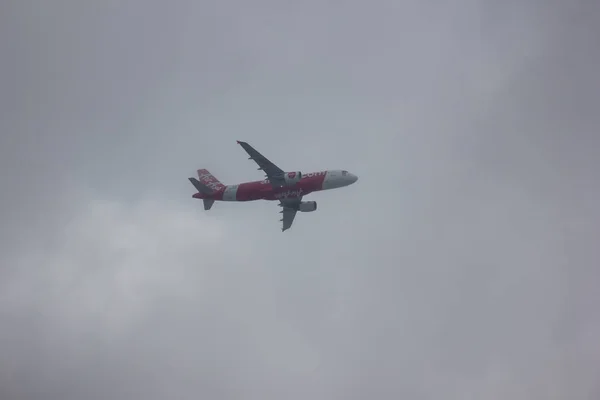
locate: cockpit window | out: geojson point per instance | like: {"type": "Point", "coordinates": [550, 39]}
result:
{"type": "Point", "coordinates": [344, 173]}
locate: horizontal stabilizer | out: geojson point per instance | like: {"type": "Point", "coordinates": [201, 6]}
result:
{"type": "Point", "coordinates": [208, 203]}
{"type": "Point", "coordinates": [200, 187]}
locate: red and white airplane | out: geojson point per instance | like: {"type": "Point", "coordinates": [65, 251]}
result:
{"type": "Point", "coordinates": [287, 187]}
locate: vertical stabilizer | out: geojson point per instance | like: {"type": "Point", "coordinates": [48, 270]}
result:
{"type": "Point", "coordinates": [208, 185]}
{"type": "Point", "coordinates": [208, 179]}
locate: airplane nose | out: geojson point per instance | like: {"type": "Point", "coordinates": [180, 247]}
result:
{"type": "Point", "coordinates": [353, 177]}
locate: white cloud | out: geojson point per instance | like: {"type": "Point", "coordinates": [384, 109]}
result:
{"type": "Point", "coordinates": [110, 261]}
{"type": "Point", "coordinates": [116, 268]}
{"type": "Point", "coordinates": [463, 263]}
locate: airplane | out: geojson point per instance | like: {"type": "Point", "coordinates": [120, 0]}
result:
{"type": "Point", "coordinates": [289, 188]}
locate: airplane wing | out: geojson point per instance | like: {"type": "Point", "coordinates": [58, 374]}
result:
{"type": "Point", "coordinates": [290, 208]}
{"type": "Point", "coordinates": [272, 171]}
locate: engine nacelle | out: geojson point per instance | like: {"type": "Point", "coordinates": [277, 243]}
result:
{"type": "Point", "coordinates": [291, 178]}
{"type": "Point", "coordinates": [307, 206]}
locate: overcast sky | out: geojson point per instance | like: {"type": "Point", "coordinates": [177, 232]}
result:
{"type": "Point", "coordinates": [462, 265]}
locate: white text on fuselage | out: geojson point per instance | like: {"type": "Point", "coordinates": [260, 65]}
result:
{"type": "Point", "coordinates": [308, 175]}
{"type": "Point", "coordinates": [289, 193]}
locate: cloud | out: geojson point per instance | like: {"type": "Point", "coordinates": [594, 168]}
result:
{"type": "Point", "coordinates": [145, 285]}
{"type": "Point", "coordinates": [461, 265]}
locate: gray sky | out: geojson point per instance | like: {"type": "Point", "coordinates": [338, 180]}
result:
{"type": "Point", "coordinates": [462, 265]}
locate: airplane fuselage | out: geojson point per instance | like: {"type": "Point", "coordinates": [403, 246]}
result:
{"type": "Point", "coordinates": [289, 188]}
{"type": "Point", "coordinates": [263, 190]}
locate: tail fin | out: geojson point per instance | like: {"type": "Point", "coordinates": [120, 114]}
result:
{"type": "Point", "coordinates": [209, 180]}
{"type": "Point", "coordinates": [207, 184]}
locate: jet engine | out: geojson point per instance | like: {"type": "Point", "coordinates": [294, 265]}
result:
{"type": "Point", "coordinates": [291, 178]}
{"type": "Point", "coordinates": [307, 206]}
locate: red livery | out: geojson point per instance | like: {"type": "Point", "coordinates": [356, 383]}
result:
{"type": "Point", "coordinates": [287, 187]}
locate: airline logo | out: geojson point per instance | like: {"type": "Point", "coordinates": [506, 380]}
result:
{"type": "Point", "coordinates": [209, 180]}
{"type": "Point", "coordinates": [311, 174]}
{"type": "Point", "coordinates": [289, 193]}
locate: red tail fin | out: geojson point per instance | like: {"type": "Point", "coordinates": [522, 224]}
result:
{"type": "Point", "coordinates": [209, 180]}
